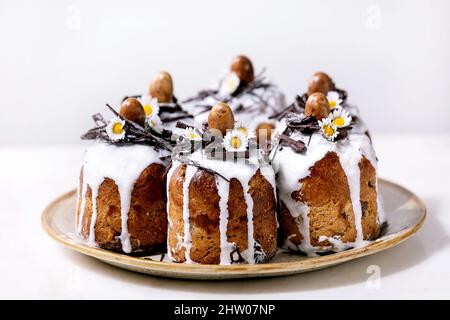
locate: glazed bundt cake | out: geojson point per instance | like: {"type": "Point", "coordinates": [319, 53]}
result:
{"type": "Point", "coordinates": [221, 197]}
{"type": "Point", "coordinates": [328, 197]}
{"type": "Point", "coordinates": [122, 193]}
{"type": "Point", "coordinates": [251, 97]}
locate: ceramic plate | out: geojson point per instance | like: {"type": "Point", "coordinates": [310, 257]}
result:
{"type": "Point", "coordinates": [405, 214]}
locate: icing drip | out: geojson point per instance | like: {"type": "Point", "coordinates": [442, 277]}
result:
{"type": "Point", "coordinates": [81, 193]}
{"type": "Point", "coordinates": [122, 164]}
{"type": "Point", "coordinates": [250, 252]}
{"type": "Point", "coordinates": [93, 216]}
{"type": "Point", "coordinates": [349, 157]}
{"type": "Point", "coordinates": [187, 241]}
{"type": "Point", "coordinates": [169, 221]}
{"type": "Point", "coordinates": [223, 189]}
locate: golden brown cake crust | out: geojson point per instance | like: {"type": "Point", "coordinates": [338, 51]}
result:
{"type": "Point", "coordinates": [327, 194]}
{"type": "Point", "coordinates": [147, 218]}
{"type": "Point", "coordinates": [204, 215]}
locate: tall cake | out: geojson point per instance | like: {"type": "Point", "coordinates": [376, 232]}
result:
{"type": "Point", "coordinates": [221, 196]}
{"type": "Point", "coordinates": [121, 199]}
{"type": "Point", "coordinates": [326, 174]}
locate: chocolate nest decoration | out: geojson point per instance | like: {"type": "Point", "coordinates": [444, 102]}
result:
{"type": "Point", "coordinates": [298, 106]}
{"type": "Point", "coordinates": [134, 133]}
{"type": "Point", "coordinates": [258, 83]}
{"type": "Point", "coordinates": [167, 109]}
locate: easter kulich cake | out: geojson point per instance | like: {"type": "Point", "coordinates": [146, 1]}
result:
{"type": "Point", "coordinates": [221, 196]}
{"type": "Point", "coordinates": [162, 108]}
{"type": "Point", "coordinates": [326, 174]}
{"type": "Point", "coordinates": [251, 96]}
{"type": "Point", "coordinates": [121, 202]}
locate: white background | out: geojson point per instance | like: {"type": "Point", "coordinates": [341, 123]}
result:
{"type": "Point", "coordinates": [61, 61]}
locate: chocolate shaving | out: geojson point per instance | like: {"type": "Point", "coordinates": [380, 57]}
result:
{"type": "Point", "coordinates": [305, 125]}
{"type": "Point", "coordinates": [237, 252]}
{"type": "Point", "coordinates": [297, 146]}
{"type": "Point", "coordinates": [196, 164]}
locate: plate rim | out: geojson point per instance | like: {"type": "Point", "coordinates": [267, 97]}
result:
{"type": "Point", "coordinates": [233, 270]}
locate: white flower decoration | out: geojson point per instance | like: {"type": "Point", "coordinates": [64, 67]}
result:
{"type": "Point", "coordinates": [229, 84]}
{"type": "Point", "coordinates": [275, 137]}
{"type": "Point", "coordinates": [115, 129]}
{"type": "Point", "coordinates": [340, 118]}
{"type": "Point", "coordinates": [328, 129]}
{"type": "Point", "coordinates": [192, 134]}
{"type": "Point", "coordinates": [235, 141]}
{"type": "Point", "coordinates": [334, 100]}
{"type": "Point", "coordinates": [150, 105]}
{"type": "Point", "coordinates": [155, 123]}
{"type": "Point", "coordinates": [245, 130]}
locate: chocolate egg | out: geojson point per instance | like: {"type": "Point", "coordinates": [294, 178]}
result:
{"type": "Point", "coordinates": [320, 82]}
{"type": "Point", "coordinates": [243, 68]}
{"type": "Point", "coordinates": [161, 87]}
{"type": "Point", "coordinates": [317, 106]}
{"type": "Point", "coordinates": [131, 109]}
{"type": "Point", "coordinates": [264, 131]}
{"type": "Point", "coordinates": [221, 118]}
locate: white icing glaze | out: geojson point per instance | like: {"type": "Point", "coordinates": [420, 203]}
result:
{"type": "Point", "coordinates": [187, 241]}
{"type": "Point", "coordinates": [242, 170]}
{"type": "Point", "coordinates": [223, 189]}
{"type": "Point", "coordinates": [124, 165]}
{"type": "Point", "coordinates": [293, 167]}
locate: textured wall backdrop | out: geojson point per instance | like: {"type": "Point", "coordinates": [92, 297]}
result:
{"type": "Point", "coordinates": [60, 61]}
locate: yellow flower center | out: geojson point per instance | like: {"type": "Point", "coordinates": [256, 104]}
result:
{"type": "Point", "coordinates": [148, 109]}
{"type": "Point", "coordinates": [235, 142]}
{"type": "Point", "coordinates": [243, 131]}
{"type": "Point", "coordinates": [192, 136]}
{"type": "Point", "coordinates": [328, 130]}
{"type": "Point", "coordinates": [338, 122]}
{"type": "Point", "coordinates": [332, 104]}
{"type": "Point", "coordinates": [117, 128]}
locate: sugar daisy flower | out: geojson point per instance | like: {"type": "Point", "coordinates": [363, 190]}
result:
{"type": "Point", "coordinates": [150, 105]}
{"type": "Point", "coordinates": [155, 123]}
{"type": "Point", "coordinates": [334, 100]}
{"type": "Point", "coordinates": [245, 130]}
{"type": "Point", "coordinates": [340, 118]}
{"type": "Point", "coordinates": [115, 129]}
{"type": "Point", "coordinates": [328, 129]}
{"type": "Point", "coordinates": [235, 141]}
{"type": "Point", "coordinates": [192, 134]}
{"type": "Point", "coordinates": [229, 84]}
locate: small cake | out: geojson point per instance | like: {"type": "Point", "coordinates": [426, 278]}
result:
{"type": "Point", "coordinates": [251, 97]}
{"type": "Point", "coordinates": [122, 193]}
{"type": "Point", "coordinates": [162, 109]}
{"type": "Point", "coordinates": [221, 196]}
{"type": "Point", "coordinates": [326, 176]}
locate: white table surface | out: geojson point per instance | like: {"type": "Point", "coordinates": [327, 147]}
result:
{"type": "Point", "coordinates": [34, 266]}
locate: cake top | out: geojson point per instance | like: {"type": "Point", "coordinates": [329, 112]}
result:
{"type": "Point", "coordinates": [222, 138]}
{"type": "Point", "coordinates": [322, 109]}
{"type": "Point", "coordinates": [242, 89]}
{"type": "Point", "coordinates": [131, 125]}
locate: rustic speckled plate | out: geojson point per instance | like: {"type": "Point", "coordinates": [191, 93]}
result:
{"type": "Point", "coordinates": [405, 214]}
